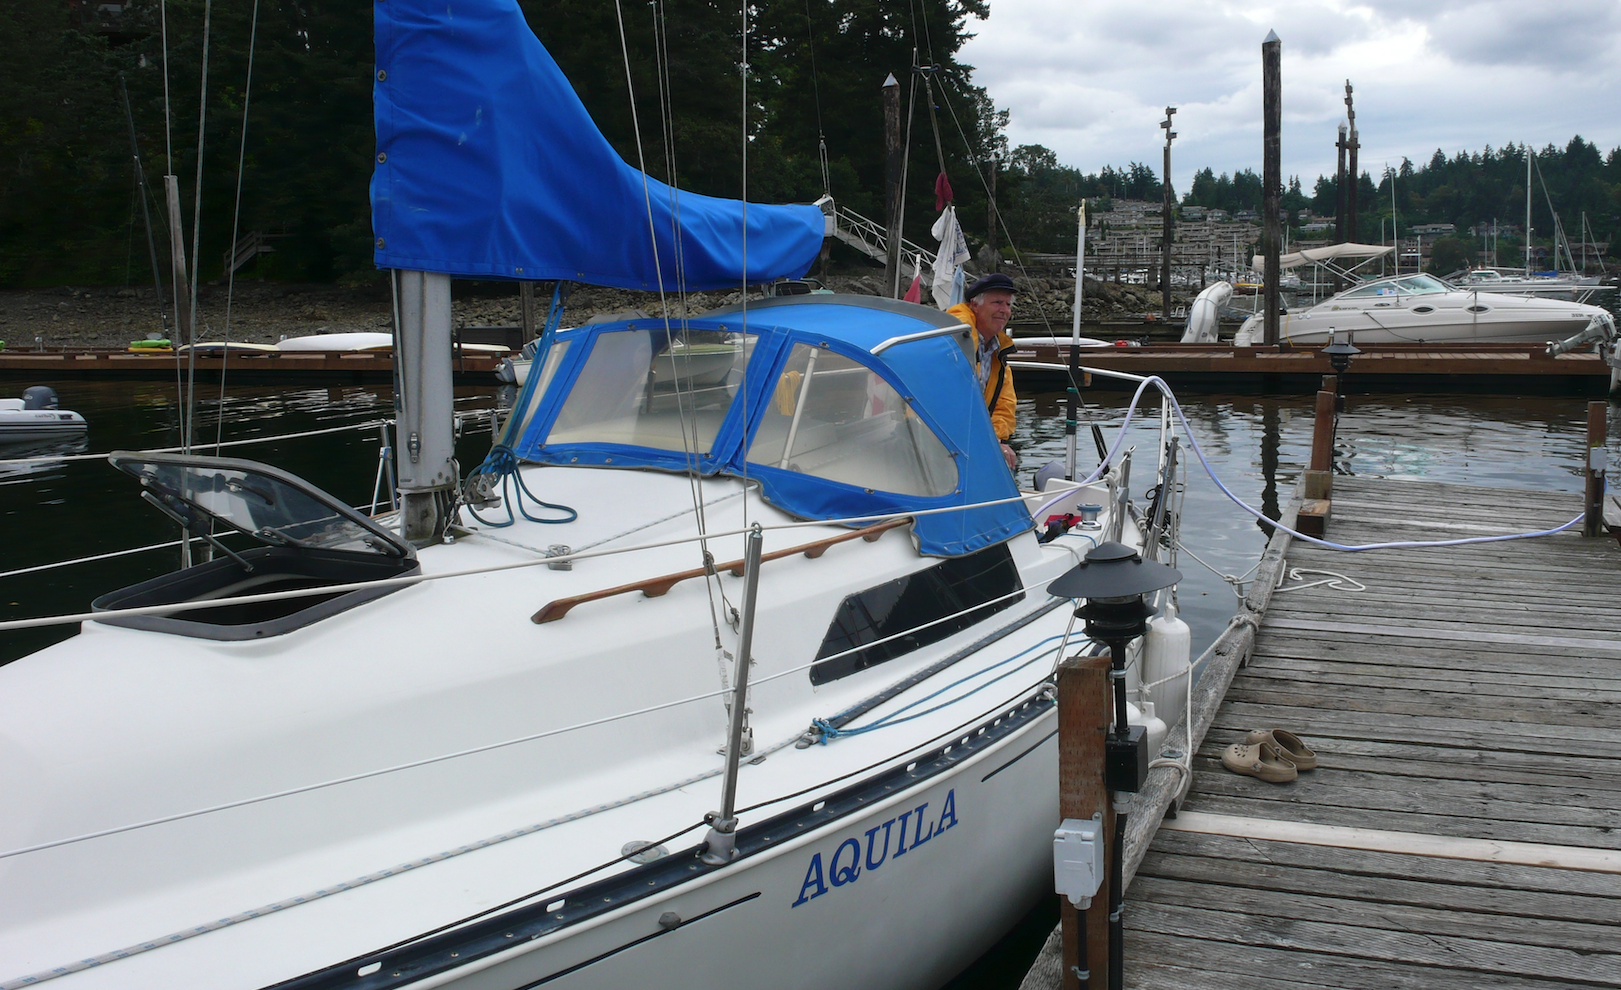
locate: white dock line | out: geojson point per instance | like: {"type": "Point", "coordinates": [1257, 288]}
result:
{"type": "Point", "coordinates": [1409, 843]}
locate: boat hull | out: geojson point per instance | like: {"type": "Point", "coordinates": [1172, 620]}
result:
{"type": "Point", "coordinates": [29, 425]}
{"type": "Point", "coordinates": [853, 900]}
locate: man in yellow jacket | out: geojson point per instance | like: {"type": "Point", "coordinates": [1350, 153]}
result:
{"type": "Point", "coordinates": [987, 307]}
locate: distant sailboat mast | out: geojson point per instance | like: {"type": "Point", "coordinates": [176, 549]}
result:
{"type": "Point", "coordinates": [1528, 209]}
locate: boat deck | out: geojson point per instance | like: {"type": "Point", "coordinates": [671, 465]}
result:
{"type": "Point", "coordinates": [1466, 694]}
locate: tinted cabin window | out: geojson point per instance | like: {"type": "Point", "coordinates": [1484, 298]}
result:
{"type": "Point", "coordinates": [949, 587]}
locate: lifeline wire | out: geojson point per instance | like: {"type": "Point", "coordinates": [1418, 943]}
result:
{"type": "Point", "coordinates": [236, 222]}
{"type": "Point", "coordinates": [850, 521]}
{"type": "Point", "coordinates": [1193, 442]}
{"type": "Point", "coordinates": [54, 458]}
{"type": "Point", "coordinates": [192, 931]}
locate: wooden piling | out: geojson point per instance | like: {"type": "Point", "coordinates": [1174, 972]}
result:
{"type": "Point", "coordinates": [1350, 166]}
{"type": "Point", "coordinates": [1271, 179]}
{"type": "Point", "coordinates": [892, 181]}
{"type": "Point", "coordinates": [1085, 708]}
{"type": "Point", "coordinates": [1341, 143]}
{"type": "Point", "coordinates": [1317, 482]}
{"type": "Point", "coordinates": [526, 310]}
{"type": "Point", "coordinates": [1593, 524]}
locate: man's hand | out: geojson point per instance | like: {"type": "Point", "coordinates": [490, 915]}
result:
{"type": "Point", "coordinates": [1011, 458]}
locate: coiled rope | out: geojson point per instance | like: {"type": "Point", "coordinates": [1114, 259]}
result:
{"type": "Point", "coordinates": [502, 464]}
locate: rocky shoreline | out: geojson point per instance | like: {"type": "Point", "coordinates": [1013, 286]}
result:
{"type": "Point", "coordinates": [265, 312]}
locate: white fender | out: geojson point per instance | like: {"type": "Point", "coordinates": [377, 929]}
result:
{"type": "Point", "coordinates": [1204, 314]}
{"type": "Point", "coordinates": [1167, 648]}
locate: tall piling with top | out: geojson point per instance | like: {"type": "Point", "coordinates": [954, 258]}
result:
{"type": "Point", "coordinates": [1351, 145]}
{"type": "Point", "coordinates": [1271, 178]}
{"type": "Point", "coordinates": [1169, 218]}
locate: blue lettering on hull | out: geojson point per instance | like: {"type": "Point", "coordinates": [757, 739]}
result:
{"type": "Point", "coordinates": [846, 865]}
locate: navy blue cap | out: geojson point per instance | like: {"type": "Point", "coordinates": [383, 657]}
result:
{"type": "Point", "coordinates": [995, 280]}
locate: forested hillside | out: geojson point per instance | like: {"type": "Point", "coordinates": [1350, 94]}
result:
{"type": "Point", "coordinates": [70, 211]}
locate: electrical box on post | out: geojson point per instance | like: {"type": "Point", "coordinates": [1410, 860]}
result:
{"type": "Point", "coordinates": [1078, 860]}
{"type": "Point", "coordinates": [1127, 760]}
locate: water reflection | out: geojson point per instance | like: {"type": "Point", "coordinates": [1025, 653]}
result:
{"type": "Point", "coordinates": [38, 457]}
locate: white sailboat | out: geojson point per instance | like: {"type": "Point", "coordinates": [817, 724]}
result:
{"type": "Point", "coordinates": [476, 747]}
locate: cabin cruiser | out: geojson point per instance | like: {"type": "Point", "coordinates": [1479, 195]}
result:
{"type": "Point", "coordinates": [488, 760]}
{"type": "Point", "coordinates": [1423, 309]}
{"type": "Point", "coordinates": [1550, 285]}
{"type": "Point", "coordinates": [38, 416]}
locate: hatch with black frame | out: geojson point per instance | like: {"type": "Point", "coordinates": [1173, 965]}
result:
{"type": "Point", "coordinates": [307, 540]}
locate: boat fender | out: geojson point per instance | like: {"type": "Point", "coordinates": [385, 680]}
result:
{"type": "Point", "coordinates": [39, 397]}
{"type": "Point", "coordinates": [1154, 728]}
{"type": "Point", "coordinates": [1167, 647]}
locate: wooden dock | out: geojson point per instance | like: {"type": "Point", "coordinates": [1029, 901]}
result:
{"type": "Point", "coordinates": [1380, 367]}
{"type": "Point", "coordinates": [469, 368]}
{"type": "Point", "coordinates": [1464, 829]}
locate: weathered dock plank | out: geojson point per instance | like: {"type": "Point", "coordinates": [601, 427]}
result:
{"type": "Point", "coordinates": [1468, 694]}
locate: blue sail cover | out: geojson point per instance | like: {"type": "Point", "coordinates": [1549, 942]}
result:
{"type": "Point", "coordinates": [488, 165]}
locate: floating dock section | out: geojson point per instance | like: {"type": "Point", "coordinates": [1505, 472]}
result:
{"type": "Point", "coordinates": [1464, 827]}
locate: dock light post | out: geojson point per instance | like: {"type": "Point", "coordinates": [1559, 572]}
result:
{"type": "Point", "coordinates": [1339, 353]}
{"type": "Point", "coordinates": [1113, 578]}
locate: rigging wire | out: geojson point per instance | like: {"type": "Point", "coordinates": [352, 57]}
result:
{"type": "Point", "coordinates": [743, 389]}
{"type": "Point", "coordinates": [236, 221]}
{"type": "Point", "coordinates": [688, 445]}
{"type": "Point", "coordinates": [816, 91]}
{"type": "Point", "coordinates": [906, 165]}
{"type": "Point", "coordinates": [189, 421]}
{"type": "Point", "coordinates": [712, 583]}
{"type": "Point", "coordinates": [1001, 221]}
{"type": "Point", "coordinates": [169, 222]}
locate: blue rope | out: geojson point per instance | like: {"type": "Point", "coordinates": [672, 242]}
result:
{"type": "Point", "coordinates": [829, 731]}
{"type": "Point", "coordinates": [503, 462]}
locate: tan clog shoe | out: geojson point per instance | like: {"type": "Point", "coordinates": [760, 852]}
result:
{"type": "Point", "coordinates": [1263, 760]}
{"type": "Point", "coordinates": [1296, 751]}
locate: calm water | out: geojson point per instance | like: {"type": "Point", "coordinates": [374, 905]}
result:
{"type": "Point", "coordinates": [1257, 445]}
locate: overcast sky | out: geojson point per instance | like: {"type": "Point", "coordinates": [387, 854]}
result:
{"type": "Point", "coordinates": [1091, 79]}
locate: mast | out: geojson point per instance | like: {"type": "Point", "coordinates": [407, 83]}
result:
{"type": "Point", "coordinates": [1528, 209]}
{"type": "Point", "coordinates": [1072, 420]}
{"type": "Point", "coordinates": [424, 446]}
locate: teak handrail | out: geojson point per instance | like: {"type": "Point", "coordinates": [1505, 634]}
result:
{"type": "Point", "coordinates": [654, 587]}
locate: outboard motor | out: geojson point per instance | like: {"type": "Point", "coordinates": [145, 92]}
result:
{"type": "Point", "coordinates": [39, 397]}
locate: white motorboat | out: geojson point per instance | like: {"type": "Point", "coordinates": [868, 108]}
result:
{"type": "Point", "coordinates": [1423, 309]}
{"type": "Point", "coordinates": [1576, 288]}
{"type": "Point", "coordinates": [37, 416]}
{"type": "Point", "coordinates": [360, 341]}
{"type": "Point", "coordinates": [453, 782]}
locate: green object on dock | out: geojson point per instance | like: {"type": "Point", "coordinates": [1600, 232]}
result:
{"type": "Point", "coordinates": [156, 344]}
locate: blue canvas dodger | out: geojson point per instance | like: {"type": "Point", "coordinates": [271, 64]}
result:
{"type": "Point", "coordinates": [932, 375]}
{"type": "Point", "coordinates": [488, 165]}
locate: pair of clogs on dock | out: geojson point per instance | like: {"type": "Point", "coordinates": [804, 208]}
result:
{"type": "Point", "coordinates": [1276, 756]}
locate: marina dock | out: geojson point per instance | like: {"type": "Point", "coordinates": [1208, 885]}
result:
{"type": "Point", "coordinates": [1380, 367]}
{"type": "Point", "coordinates": [470, 368]}
{"type": "Point", "coordinates": [1464, 829]}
